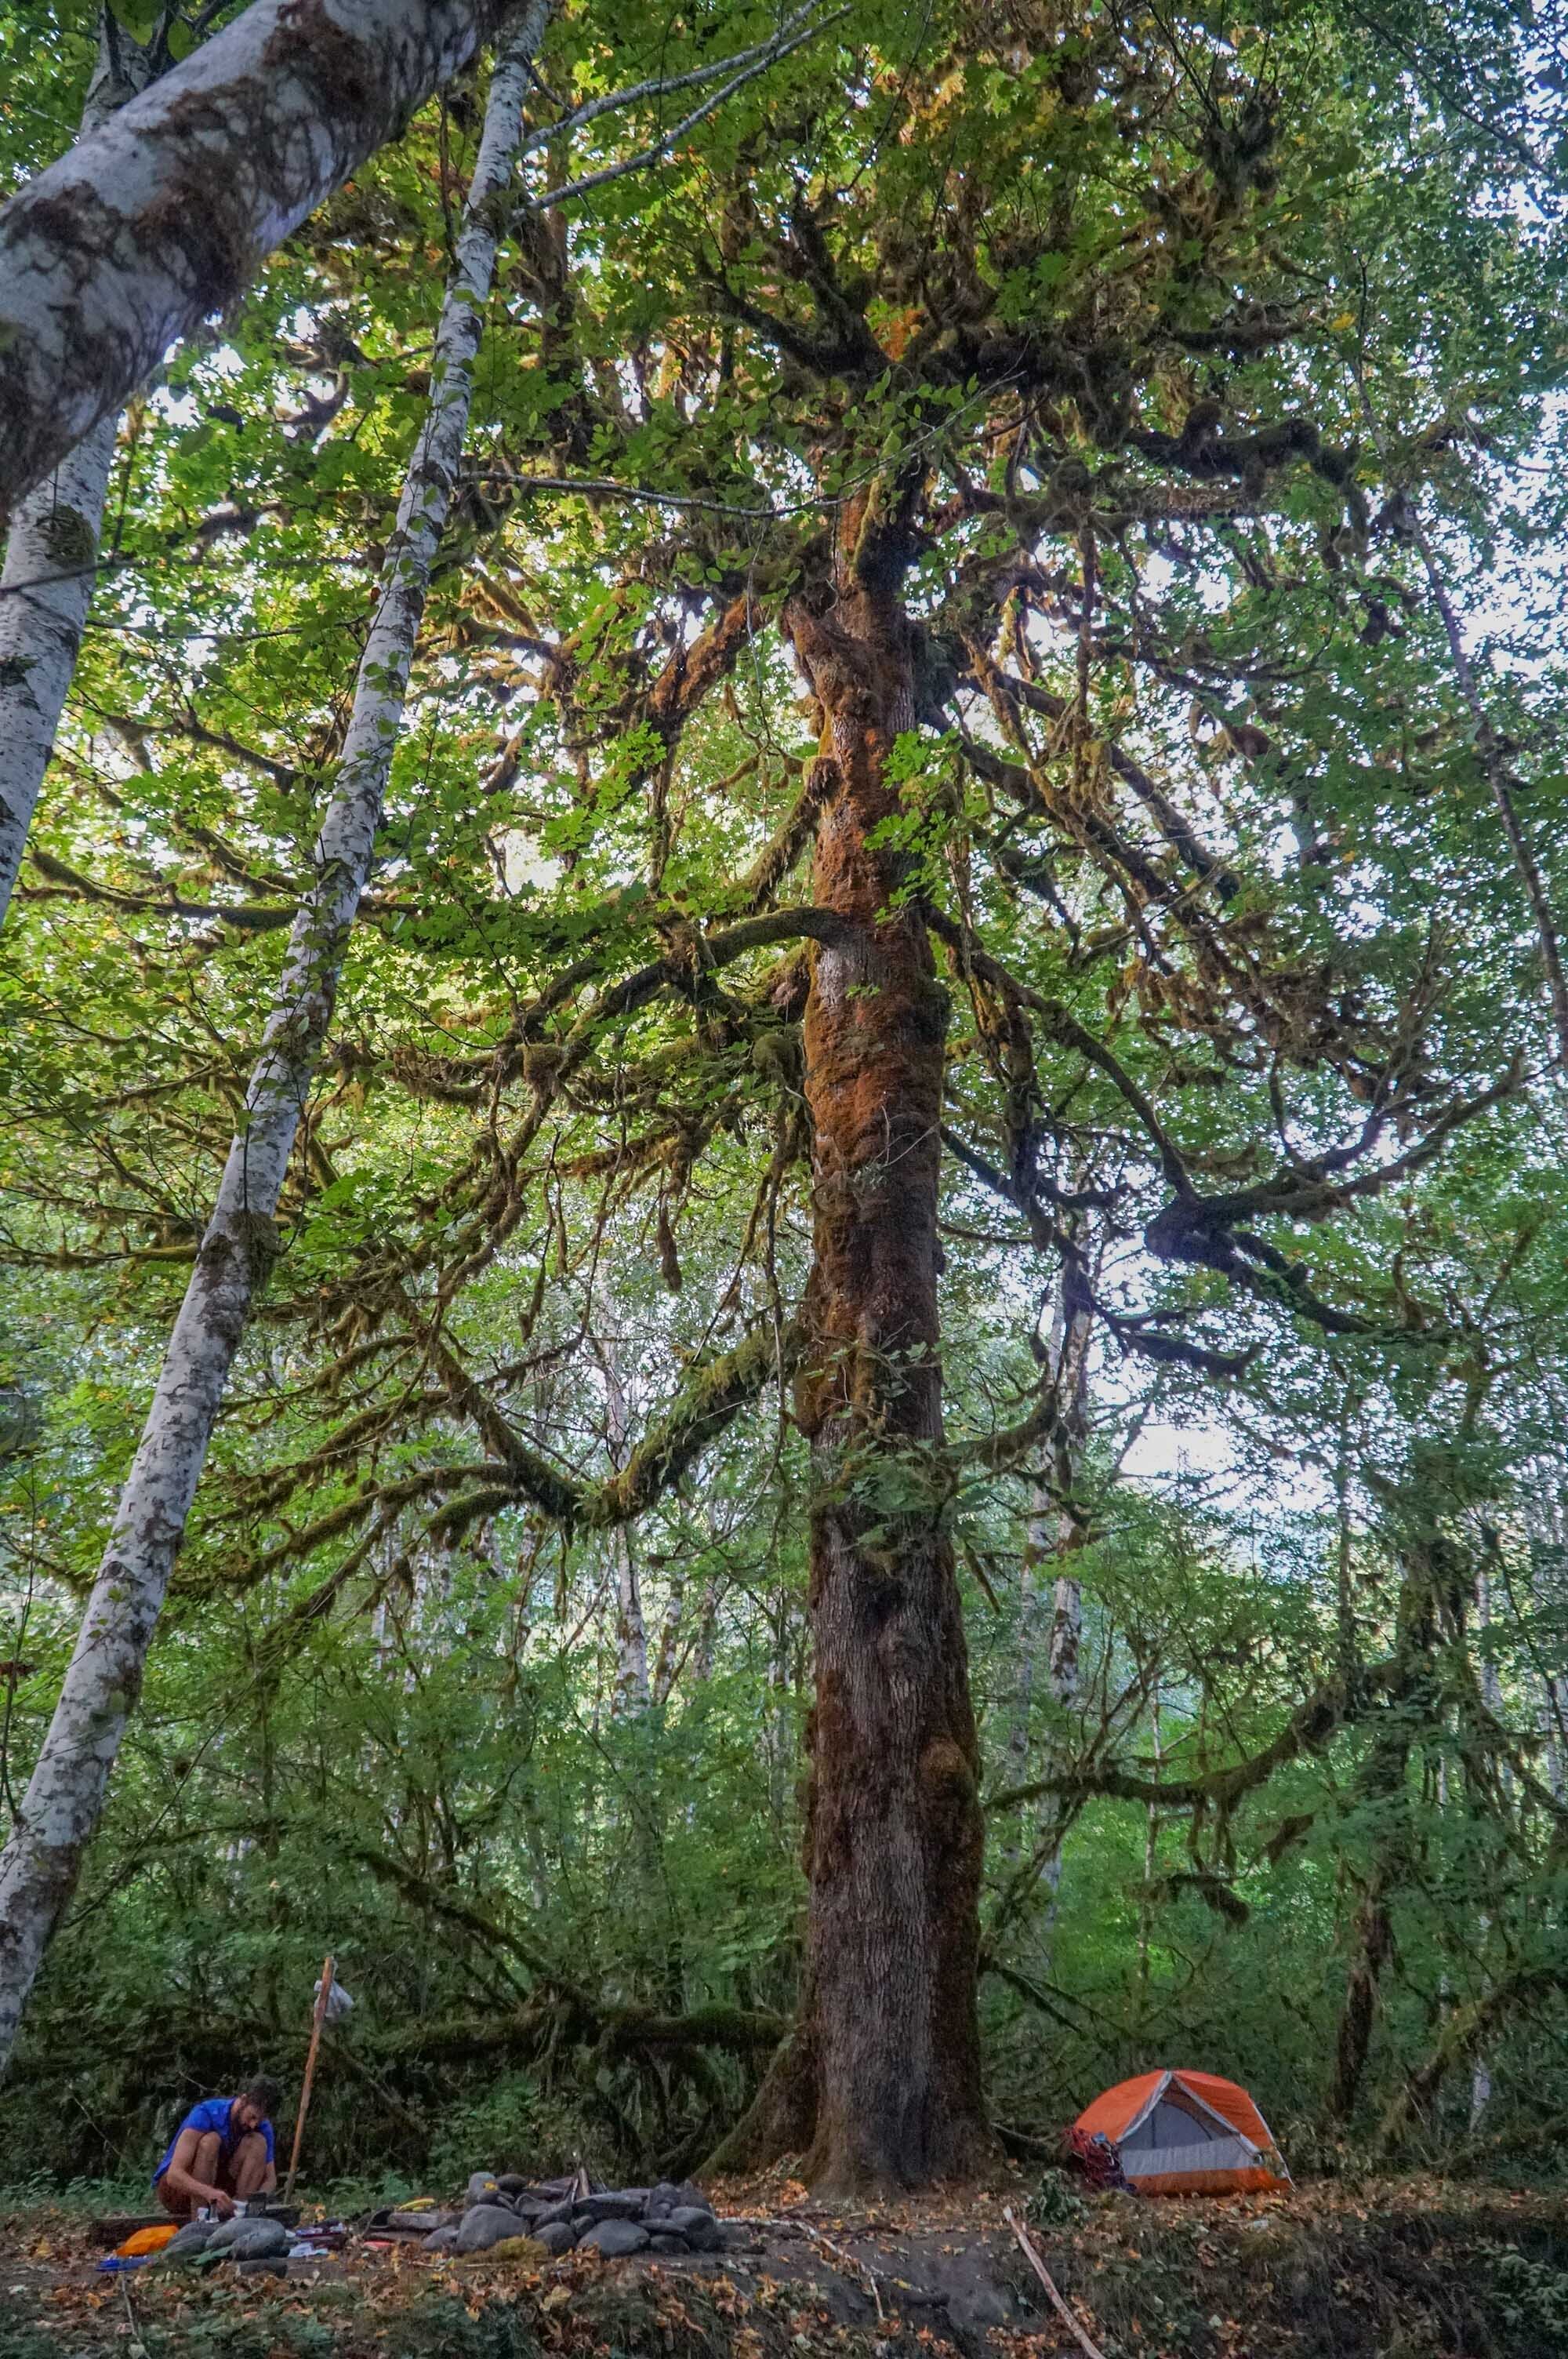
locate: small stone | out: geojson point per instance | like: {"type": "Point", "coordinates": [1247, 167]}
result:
{"type": "Point", "coordinates": [689, 2192]}
{"type": "Point", "coordinates": [697, 2225]}
{"type": "Point", "coordinates": [485, 2224]}
{"type": "Point", "coordinates": [556, 2235]}
{"type": "Point", "coordinates": [553, 2213]}
{"type": "Point", "coordinates": [482, 2188]}
{"type": "Point", "coordinates": [662, 2240]}
{"type": "Point", "coordinates": [441, 2240]}
{"type": "Point", "coordinates": [262, 2264]}
{"type": "Point", "coordinates": [615, 2239]}
{"type": "Point", "coordinates": [663, 2198]}
{"type": "Point", "coordinates": [512, 2182]}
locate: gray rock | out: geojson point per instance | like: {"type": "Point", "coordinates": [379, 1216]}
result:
{"type": "Point", "coordinates": [618, 2203]}
{"type": "Point", "coordinates": [556, 2235]}
{"type": "Point", "coordinates": [193, 2238]}
{"type": "Point", "coordinates": [615, 2239]}
{"type": "Point", "coordinates": [660, 2240]}
{"type": "Point", "coordinates": [257, 2240]}
{"type": "Point", "coordinates": [426, 2222]}
{"type": "Point", "coordinates": [697, 2225]}
{"type": "Point", "coordinates": [512, 2182]}
{"type": "Point", "coordinates": [554, 2214]}
{"type": "Point", "coordinates": [662, 2199]}
{"type": "Point", "coordinates": [484, 2224]}
{"type": "Point", "coordinates": [690, 2192]}
{"type": "Point", "coordinates": [441, 2240]}
{"type": "Point", "coordinates": [482, 2188]}
{"type": "Point", "coordinates": [262, 2264]}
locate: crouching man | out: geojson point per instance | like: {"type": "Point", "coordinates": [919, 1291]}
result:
{"type": "Point", "coordinates": [223, 2153]}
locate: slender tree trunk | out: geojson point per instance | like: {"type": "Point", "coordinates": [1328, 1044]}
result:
{"type": "Point", "coordinates": [631, 1688]}
{"type": "Point", "coordinates": [47, 584]}
{"type": "Point", "coordinates": [776, 1737]}
{"type": "Point", "coordinates": [1067, 1596]}
{"type": "Point", "coordinates": [1052, 1538]}
{"type": "Point", "coordinates": [1492, 1697]}
{"type": "Point", "coordinates": [886, 2060]}
{"type": "Point", "coordinates": [1150, 1861]}
{"type": "Point", "coordinates": [1372, 1944]}
{"type": "Point", "coordinates": [667, 1662]}
{"type": "Point", "coordinates": [1037, 1554]}
{"type": "Point", "coordinates": [41, 1861]}
{"type": "Point", "coordinates": [164, 215]}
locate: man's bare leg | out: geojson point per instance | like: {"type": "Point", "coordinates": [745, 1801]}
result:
{"type": "Point", "coordinates": [204, 2165]}
{"type": "Point", "coordinates": [248, 2167]}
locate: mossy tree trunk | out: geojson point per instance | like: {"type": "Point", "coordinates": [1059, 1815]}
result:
{"type": "Point", "coordinates": [884, 2069]}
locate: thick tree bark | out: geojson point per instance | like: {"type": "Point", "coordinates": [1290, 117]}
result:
{"type": "Point", "coordinates": [65, 1795]}
{"type": "Point", "coordinates": [889, 2046]}
{"type": "Point", "coordinates": [51, 560]}
{"type": "Point", "coordinates": [162, 217]}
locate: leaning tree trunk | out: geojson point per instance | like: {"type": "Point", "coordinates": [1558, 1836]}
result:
{"type": "Point", "coordinates": [164, 215]}
{"type": "Point", "coordinates": [885, 2065]}
{"type": "Point", "coordinates": [65, 1794]}
{"type": "Point", "coordinates": [51, 556]}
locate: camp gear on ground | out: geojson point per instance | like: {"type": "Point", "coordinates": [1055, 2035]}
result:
{"type": "Point", "coordinates": [1182, 2133]}
{"type": "Point", "coordinates": [147, 2240]}
{"type": "Point", "coordinates": [1096, 2158]}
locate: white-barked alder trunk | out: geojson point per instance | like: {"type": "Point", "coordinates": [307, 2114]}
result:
{"type": "Point", "coordinates": [161, 218]}
{"type": "Point", "coordinates": [65, 1794]}
{"type": "Point", "coordinates": [51, 556]}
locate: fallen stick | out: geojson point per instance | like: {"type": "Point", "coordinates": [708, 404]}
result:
{"type": "Point", "coordinates": [1044, 2274]}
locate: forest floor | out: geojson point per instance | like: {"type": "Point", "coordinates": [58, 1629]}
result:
{"type": "Point", "coordinates": [1416, 2269]}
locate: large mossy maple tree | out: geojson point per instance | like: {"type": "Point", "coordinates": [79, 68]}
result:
{"type": "Point", "coordinates": [1044, 398]}
{"type": "Point", "coordinates": [1042, 351]}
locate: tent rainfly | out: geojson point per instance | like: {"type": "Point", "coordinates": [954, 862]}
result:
{"type": "Point", "coordinates": [1185, 2134]}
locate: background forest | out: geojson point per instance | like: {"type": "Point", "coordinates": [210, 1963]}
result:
{"type": "Point", "coordinates": [1171, 402]}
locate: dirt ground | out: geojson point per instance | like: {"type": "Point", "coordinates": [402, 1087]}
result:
{"type": "Point", "coordinates": [1413, 2270]}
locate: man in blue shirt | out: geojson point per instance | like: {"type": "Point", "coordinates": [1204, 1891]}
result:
{"type": "Point", "coordinates": [223, 2153]}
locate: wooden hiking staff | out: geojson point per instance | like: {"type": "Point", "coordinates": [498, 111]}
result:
{"type": "Point", "coordinates": [1044, 2274]}
{"type": "Point", "coordinates": [322, 1995]}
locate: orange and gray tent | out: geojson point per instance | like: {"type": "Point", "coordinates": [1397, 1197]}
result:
{"type": "Point", "coordinates": [1185, 2134]}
